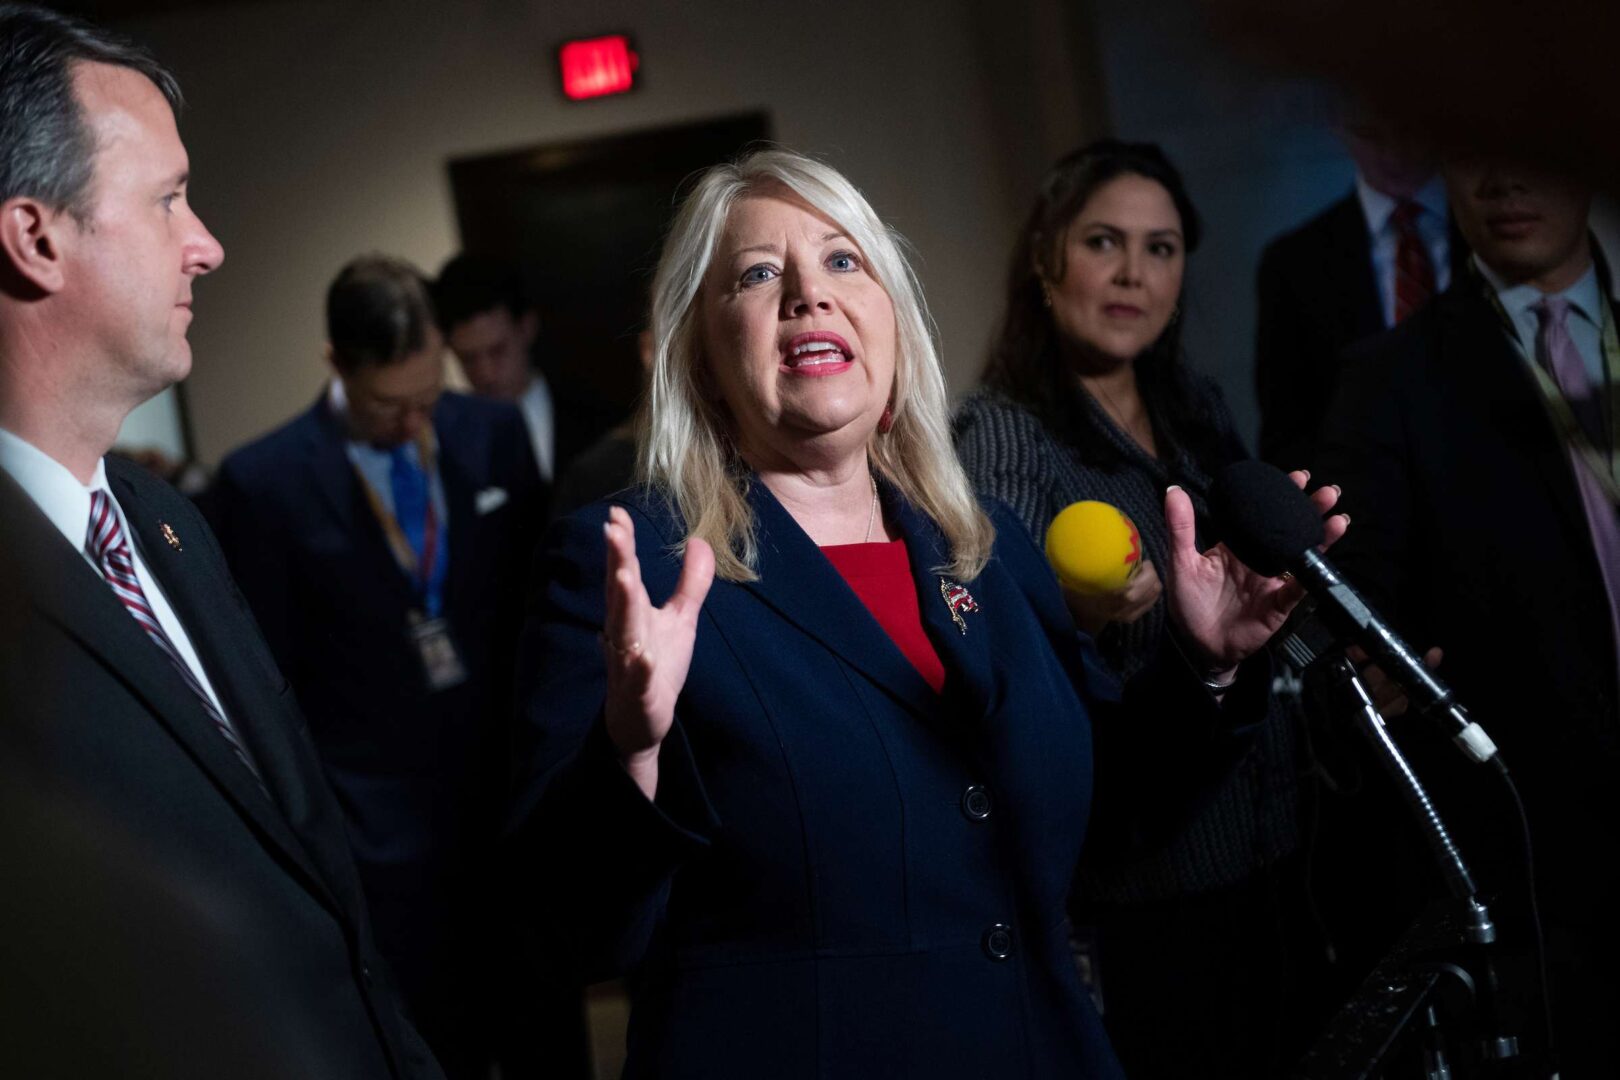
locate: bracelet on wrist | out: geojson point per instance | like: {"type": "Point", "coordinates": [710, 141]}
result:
{"type": "Point", "coordinates": [1212, 680]}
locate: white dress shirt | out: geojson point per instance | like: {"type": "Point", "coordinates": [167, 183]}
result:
{"type": "Point", "coordinates": [535, 405]}
{"type": "Point", "coordinates": [1433, 227]}
{"type": "Point", "coordinates": [66, 502]}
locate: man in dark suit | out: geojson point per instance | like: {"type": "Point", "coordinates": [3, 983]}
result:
{"type": "Point", "coordinates": [493, 330]}
{"type": "Point", "coordinates": [383, 540]}
{"type": "Point", "coordinates": [1476, 458]}
{"type": "Point", "coordinates": [144, 726]}
{"type": "Point", "coordinates": [1360, 266]}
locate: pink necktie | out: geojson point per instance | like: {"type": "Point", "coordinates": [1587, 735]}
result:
{"type": "Point", "coordinates": [1556, 351]}
{"type": "Point", "coordinates": [109, 549]}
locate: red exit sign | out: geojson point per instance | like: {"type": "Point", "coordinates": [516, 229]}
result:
{"type": "Point", "coordinates": [596, 67]}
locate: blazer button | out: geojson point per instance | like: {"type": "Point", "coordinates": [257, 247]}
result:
{"type": "Point", "coordinates": [998, 942]}
{"type": "Point", "coordinates": [365, 974]}
{"type": "Point", "coordinates": [976, 802]}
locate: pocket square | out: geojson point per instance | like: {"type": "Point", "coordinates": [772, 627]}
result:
{"type": "Point", "coordinates": [491, 498]}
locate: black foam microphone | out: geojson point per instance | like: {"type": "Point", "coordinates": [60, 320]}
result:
{"type": "Point", "coordinates": [1269, 524]}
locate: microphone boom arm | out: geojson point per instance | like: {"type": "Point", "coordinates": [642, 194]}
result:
{"type": "Point", "coordinates": [1350, 616]}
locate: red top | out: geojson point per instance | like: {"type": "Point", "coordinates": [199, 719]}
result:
{"type": "Point", "coordinates": [880, 574]}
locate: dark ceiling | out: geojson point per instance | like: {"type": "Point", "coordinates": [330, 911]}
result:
{"type": "Point", "coordinates": [113, 10]}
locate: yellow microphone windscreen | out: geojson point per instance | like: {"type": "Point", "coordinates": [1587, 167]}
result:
{"type": "Point", "coordinates": [1093, 547]}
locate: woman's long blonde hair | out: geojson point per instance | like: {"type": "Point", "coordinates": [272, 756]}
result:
{"type": "Point", "coordinates": [684, 446]}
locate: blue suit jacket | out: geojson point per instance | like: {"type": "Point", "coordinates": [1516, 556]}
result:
{"type": "Point", "coordinates": [421, 775]}
{"type": "Point", "coordinates": [811, 894]}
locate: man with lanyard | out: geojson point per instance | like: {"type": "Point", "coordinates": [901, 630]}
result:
{"type": "Point", "coordinates": [1475, 445]}
{"type": "Point", "coordinates": [406, 496]}
{"type": "Point", "coordinates": [382, 540]}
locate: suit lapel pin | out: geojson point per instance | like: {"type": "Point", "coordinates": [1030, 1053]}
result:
{"type": "Point", "coordinates": [170, 535]}
{"type": "Point", "coordinates": [957, 600]}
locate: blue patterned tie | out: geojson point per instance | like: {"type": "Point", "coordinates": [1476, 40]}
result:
{"type": "Point", "coordinates": [410, 488]}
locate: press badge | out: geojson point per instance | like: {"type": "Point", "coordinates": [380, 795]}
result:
{"type": "Point", "coordinates": [441, 664]}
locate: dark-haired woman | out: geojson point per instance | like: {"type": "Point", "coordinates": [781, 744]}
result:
{"type": "Point", "coordinates": [1086, 397]}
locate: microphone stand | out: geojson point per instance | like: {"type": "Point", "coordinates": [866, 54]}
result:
{"type": "Point", "coordinates": [1447, 953]}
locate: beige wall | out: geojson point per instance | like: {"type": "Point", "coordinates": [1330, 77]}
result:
{"type": "Point", "coordinates": [321, 130]}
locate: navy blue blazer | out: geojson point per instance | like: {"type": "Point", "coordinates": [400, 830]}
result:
{"type": "Point", "coordinates": [422, 776]}
{"type": "Point", "coordinates": [843, 874]}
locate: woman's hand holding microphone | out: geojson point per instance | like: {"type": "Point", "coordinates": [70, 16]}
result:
{"type": "Point", "coordinates": [1220, 608]}
{"type": "Point", "coordinates": [1093, 611]}
{"type": "Point", "coordinates": [1097, 555]}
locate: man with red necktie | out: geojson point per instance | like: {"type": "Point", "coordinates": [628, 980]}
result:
{"type": "Point", "coordinates": [1364, 264]}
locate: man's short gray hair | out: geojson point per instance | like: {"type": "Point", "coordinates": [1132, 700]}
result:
{"type": "Point", "coordinates": [47, 151]}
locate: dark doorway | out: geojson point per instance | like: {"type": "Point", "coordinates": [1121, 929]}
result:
{"type": "Point", "coordinates": [585, 221]}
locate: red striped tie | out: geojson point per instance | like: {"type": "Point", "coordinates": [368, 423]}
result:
{"type": "Point", "coordinates": [109, 549]}
{"type": "Point", "coordinates": [1414, 272]}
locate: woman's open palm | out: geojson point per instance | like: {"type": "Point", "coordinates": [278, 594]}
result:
{"type": "Point", "coordinates": [647, 650]}
{"type": "Point", "coordinates": [1221, 606]}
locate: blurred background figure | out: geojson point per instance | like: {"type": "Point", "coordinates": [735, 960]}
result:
{"type": "Point", "coordinates": [1362, 265]}
{"type": "Point", "coordinates": [1455, 71]}
{"type": "Point", "coordinates": [608, 464]}
{"type": "Point", "coordinates": [1087, 396]}
{"type": "Point", "coordinates": [1500, 394]}
{"type": "Point", "coordinates": [381, 538]}
{"type": "Point", "coordinates": [494, 333]}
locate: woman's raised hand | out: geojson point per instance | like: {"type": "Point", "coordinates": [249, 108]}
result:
{"type": "Point", "coordinates": [647, 650]}
{"type": "Point", "coordinates": [1220, 606]}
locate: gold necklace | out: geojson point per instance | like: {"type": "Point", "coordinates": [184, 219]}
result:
{"type": "Point", "coordinates": [1118, 416]}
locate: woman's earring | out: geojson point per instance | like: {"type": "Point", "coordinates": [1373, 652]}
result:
{"type": "Point", "coordinates": [1046, 294]}
{"type": "Point", "coordinates": [886, 421]}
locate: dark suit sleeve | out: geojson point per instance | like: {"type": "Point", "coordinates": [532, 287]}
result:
{"type": "Point", "coordinates": [258, 558]}
{"type": "Point", "coordinates": [528, 490]}
{"type": "Point", "coordinates": [591, 856]}
{"type": "Point", "coordinates": [1365, 451]}
{"type": "Point", "coordinates": [1226, 444]}
{"type": "Point", "coordinates": [513, 468]}
{"type": "Point", "coordinates": [1283, 374]}
{"type": "Point", "coordinates": [1169, 748]}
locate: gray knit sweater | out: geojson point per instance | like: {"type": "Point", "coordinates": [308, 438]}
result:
{"type": "Point", "coordinates": [1252, 819]}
